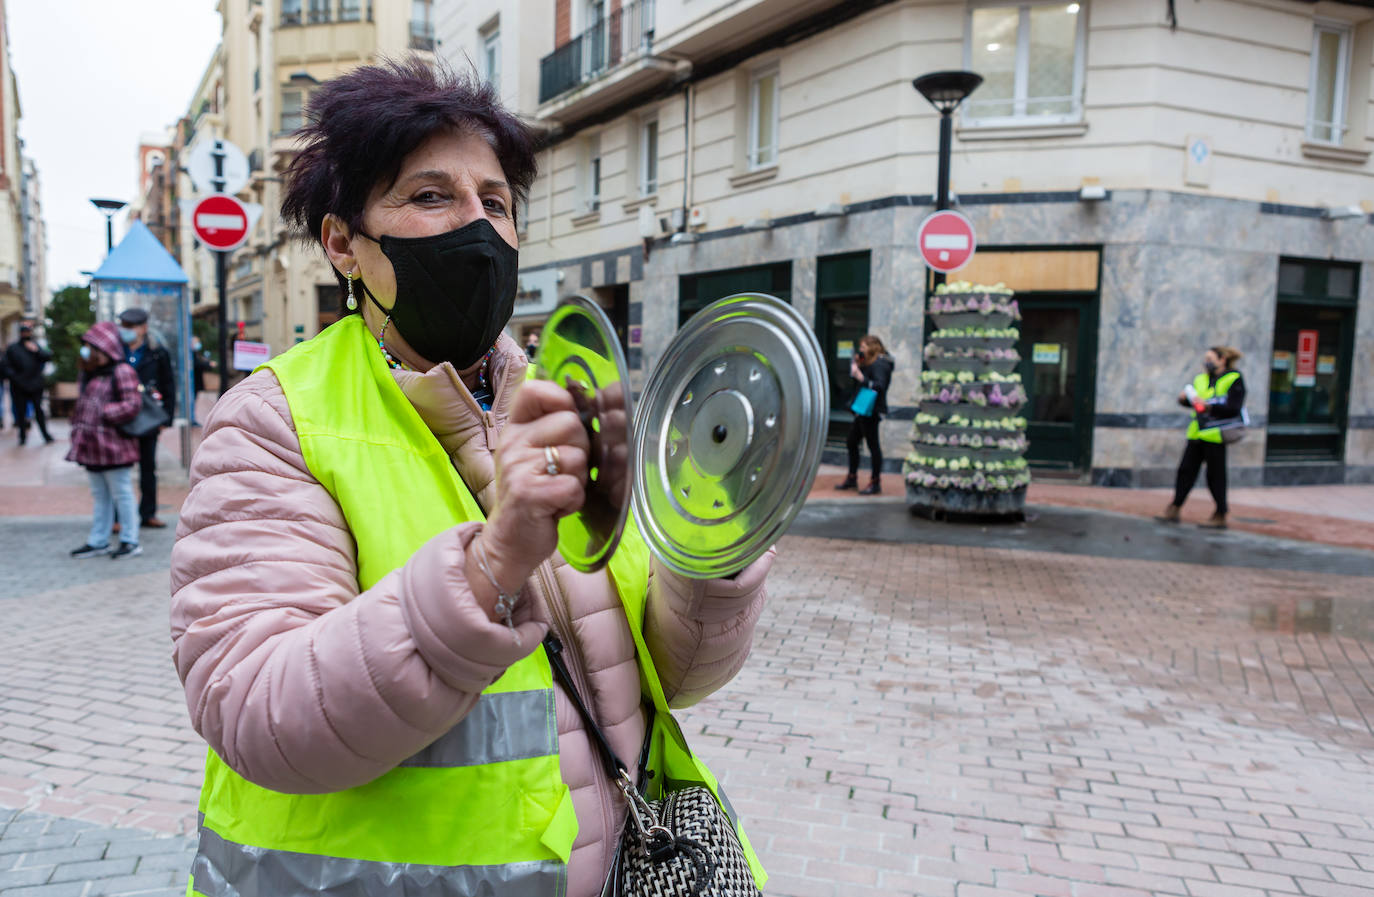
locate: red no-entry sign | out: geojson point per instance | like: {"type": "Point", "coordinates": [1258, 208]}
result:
{"type": "Point", "coordinates": [220, 222]}
{"type": "Point", "coordinates": [946, 241]}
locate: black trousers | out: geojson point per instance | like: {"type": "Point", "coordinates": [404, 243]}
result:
{"type": "Point", "coordinates": [865, 428]}
{"type": "Point", "coordinates": [147, 476]}
{"type": "Point", "coordinates": [1195, 455]}
{"type": "Point", "coordinates": [20, 400]}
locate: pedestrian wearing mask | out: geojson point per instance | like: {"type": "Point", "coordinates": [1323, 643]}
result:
{"type": "Point", "coordinates": [871, 369]}
{"type": "Point", "coordinates": [24, 362]}
{"type": "Point", "coordinates": [1216, 397]}
{"type": "Point", "coordinates": [365, 567]}
{"type": "Point", "coordinates": [153, 364]}
{"type": "Point", "coordinates": [109, 397]}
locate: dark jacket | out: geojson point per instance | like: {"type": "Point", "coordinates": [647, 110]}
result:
{"type": "Point", "coordinates": [877, 377]}
{"type": "Point", "coordinates": [154, 368]}
{"type": "Point", "coordinates": [24, 368]}
{"type": "Point", "coordinates": [109, 397]}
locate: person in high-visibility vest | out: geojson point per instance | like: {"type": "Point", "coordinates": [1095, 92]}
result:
{"type": "Point", "coordinates": [365, 568]}
{"type": "Point", "coordinates": [1216, 398]}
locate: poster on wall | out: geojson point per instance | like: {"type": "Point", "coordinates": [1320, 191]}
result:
{"type": "Point", "coordinates": [1306, 373]}
{"type": "Point", "coordinates": [1045, 353]}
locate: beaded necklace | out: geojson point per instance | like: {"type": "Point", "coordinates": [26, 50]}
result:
{"type": "Point", "coordinates": [395, 363]}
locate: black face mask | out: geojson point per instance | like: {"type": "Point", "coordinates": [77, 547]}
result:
{"type": "Point", "coordinates": [1211, 366]}
{"type": "Point", "coordinates": [454, 291]}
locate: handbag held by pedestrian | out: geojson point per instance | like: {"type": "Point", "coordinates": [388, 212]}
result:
{"type": "Point", "coordinates": [150, 418]}
{"type": "Point", "coordinates": [865, 400]}
{"type": "Point", "coordinates": [681, 846]}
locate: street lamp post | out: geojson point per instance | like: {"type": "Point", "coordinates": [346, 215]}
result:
{"type": "Point", "coordinates": [108, 207]}
{"type": "Point", "coordinates": [945, 91]}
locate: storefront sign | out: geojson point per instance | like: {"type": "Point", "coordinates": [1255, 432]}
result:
{"type": "Point", "coordinates": [1045, 353]}
{"type": "Point", "coordinates": [537, 293]}
{"type": "Point", "coordinates": [1283, 361]}
{"type": "Point", "coordinates": [1326, 364]}
{"type": "Point", "coordinates": [1306, 373]}
{"type": "Point", "coordinates": [844, 348]}
{"type": "Point", "coordinates": [248, 355]}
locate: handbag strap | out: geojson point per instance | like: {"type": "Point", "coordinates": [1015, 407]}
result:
{"type": "Point", "coordinates": [554, 649]}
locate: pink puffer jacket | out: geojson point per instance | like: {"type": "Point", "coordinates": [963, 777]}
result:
{"type": "Point", "coordinates": [303, 685]}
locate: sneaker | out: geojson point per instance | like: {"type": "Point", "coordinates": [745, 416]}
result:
{"type": "Point", "coordinates": [127, 550]}
{"type": "Point", "coordinates": [90, 551]}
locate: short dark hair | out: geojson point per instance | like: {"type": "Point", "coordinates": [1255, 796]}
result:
{"type": "Point", "coordinates": [361, 126]}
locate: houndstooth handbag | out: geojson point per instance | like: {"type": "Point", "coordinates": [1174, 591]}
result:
{"type": "Point", "coordinates": [681, 846]}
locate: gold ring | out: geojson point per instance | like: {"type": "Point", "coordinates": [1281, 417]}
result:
{"type": "Point", "coordinates": [551, 461]}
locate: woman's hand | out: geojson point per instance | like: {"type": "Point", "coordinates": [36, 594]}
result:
{"type": "Point", "coordinates": [854, 370]}
{"type": "Point", "coordinates": [522, 529]}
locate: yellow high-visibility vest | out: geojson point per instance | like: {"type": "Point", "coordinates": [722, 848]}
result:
{"type": "Point", "coordinates": [483, 809]}
{"type": "Point", "coordinates": [1205, 391]}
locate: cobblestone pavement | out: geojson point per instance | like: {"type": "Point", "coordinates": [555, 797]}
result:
{"type": "Point", "coordinates": [932, 719]}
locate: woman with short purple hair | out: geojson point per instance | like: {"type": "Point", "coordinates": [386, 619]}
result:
{"type": "Point", "coordinates": [366, 566]}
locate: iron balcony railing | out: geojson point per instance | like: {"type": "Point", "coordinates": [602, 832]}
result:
{"type": "Point", "coordinates": [611, 40]}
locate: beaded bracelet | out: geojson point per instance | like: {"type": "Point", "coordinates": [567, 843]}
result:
{"type": "Point", "coordinates": [505, 602]}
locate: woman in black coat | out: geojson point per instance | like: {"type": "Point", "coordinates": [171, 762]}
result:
{"type": "Point", "coordinates": [870, 367]}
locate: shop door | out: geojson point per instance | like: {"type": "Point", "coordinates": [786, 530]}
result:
{"type": "Point", "coordinates": [1058, 349]}
{"type": "Point", "coordinates": [1306, 408]}
{"type": "Point", "coordinates": [1309, 371]}
{"type": "Point", "coordinates": [843, 323]}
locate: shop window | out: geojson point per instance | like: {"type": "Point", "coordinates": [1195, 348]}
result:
{"type": "Point", "coordinates": [1031, 58]}
{"type": "Point", "coordinates": [842, 283]}
{"type": "Point", "coordinates": [696, 291]}
{"type": "Point", "coordinates": [1330, 79]}
{"type": "Point", "coordinates": [1309, 370]}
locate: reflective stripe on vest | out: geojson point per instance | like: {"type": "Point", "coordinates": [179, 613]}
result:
{"type": "Point", "coordinates": [1205, 390]}
{"type": "Point", "coordinates": [224, 869]}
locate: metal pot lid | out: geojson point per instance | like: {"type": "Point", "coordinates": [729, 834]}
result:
{"type": "Point", "coordinates": [729, 435]}
{"type": "Point", "coordinates": [578, 349]}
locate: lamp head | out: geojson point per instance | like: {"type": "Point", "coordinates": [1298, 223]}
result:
{"type": "Point", "coordinates": [946, 90]}
{"type": "Point", "coordinates": [109, 206]}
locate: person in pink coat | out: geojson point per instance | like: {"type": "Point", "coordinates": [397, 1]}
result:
{"type": "Point", "coordinates": [109, 397]}
{"type": "Point", "coordinates": [278, 647]}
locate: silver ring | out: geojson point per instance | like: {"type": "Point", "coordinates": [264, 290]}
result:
{"type": "Point", "coordinates": [551, 461]}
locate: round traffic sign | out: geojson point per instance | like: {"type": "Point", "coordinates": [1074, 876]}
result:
{"type": "Point", "coordinates": [946, 241]}
{"type": "Point", "coordinates": [220, 222]}
{"type": "Point", "coordinates": [217, 166]}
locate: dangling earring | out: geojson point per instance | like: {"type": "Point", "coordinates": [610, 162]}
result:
{"type": "Point", "coordinates": [352, 303]}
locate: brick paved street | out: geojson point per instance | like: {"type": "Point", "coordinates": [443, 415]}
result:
{"type": "Point", "coordinates": [918, 717]}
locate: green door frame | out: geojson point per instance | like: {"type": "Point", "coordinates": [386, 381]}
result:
{"type": "Point", "coordinates": [1086, 303]}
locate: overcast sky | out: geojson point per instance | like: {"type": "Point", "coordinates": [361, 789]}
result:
{"type": "Point", "coordinates": [93, 75]}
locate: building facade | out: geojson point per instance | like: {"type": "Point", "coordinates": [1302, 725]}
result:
{"type": "Point", "coordinates": [34, 250]}
{"type": "Point", "coordinates": [12, 304]}
{"type": "Point", "coordinates": [1149, 187]}
{"type": "Point", "coordinates": [253, 93]}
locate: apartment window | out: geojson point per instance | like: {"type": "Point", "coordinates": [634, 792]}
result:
{"type": "Point", "coordinates": [648, 157]}
{"type": "Point", "coordinates": [319, 11]}
{"type": "Point", "coordinates": [591, 175]}
{"type": "Point", "coordinates": [292, 109]}
{"type": "Point", "coordinates": [350, 10]}
{"type": "Point", "coordinates": [1031, 58]}
{"type": "Point", "coordinates": [491, 55]}
{"type": "Point", "coordinates": [1330, 81]}
{"type": "Point", "coordinates": [763, 119]}
{"type": "Point", "coordinates": [422, 24]}
{"type": "Point", "coordinates": [290, 12]}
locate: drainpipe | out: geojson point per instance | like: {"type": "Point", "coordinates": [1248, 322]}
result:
{"type": "Point", "coordinates": [688, 97]}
